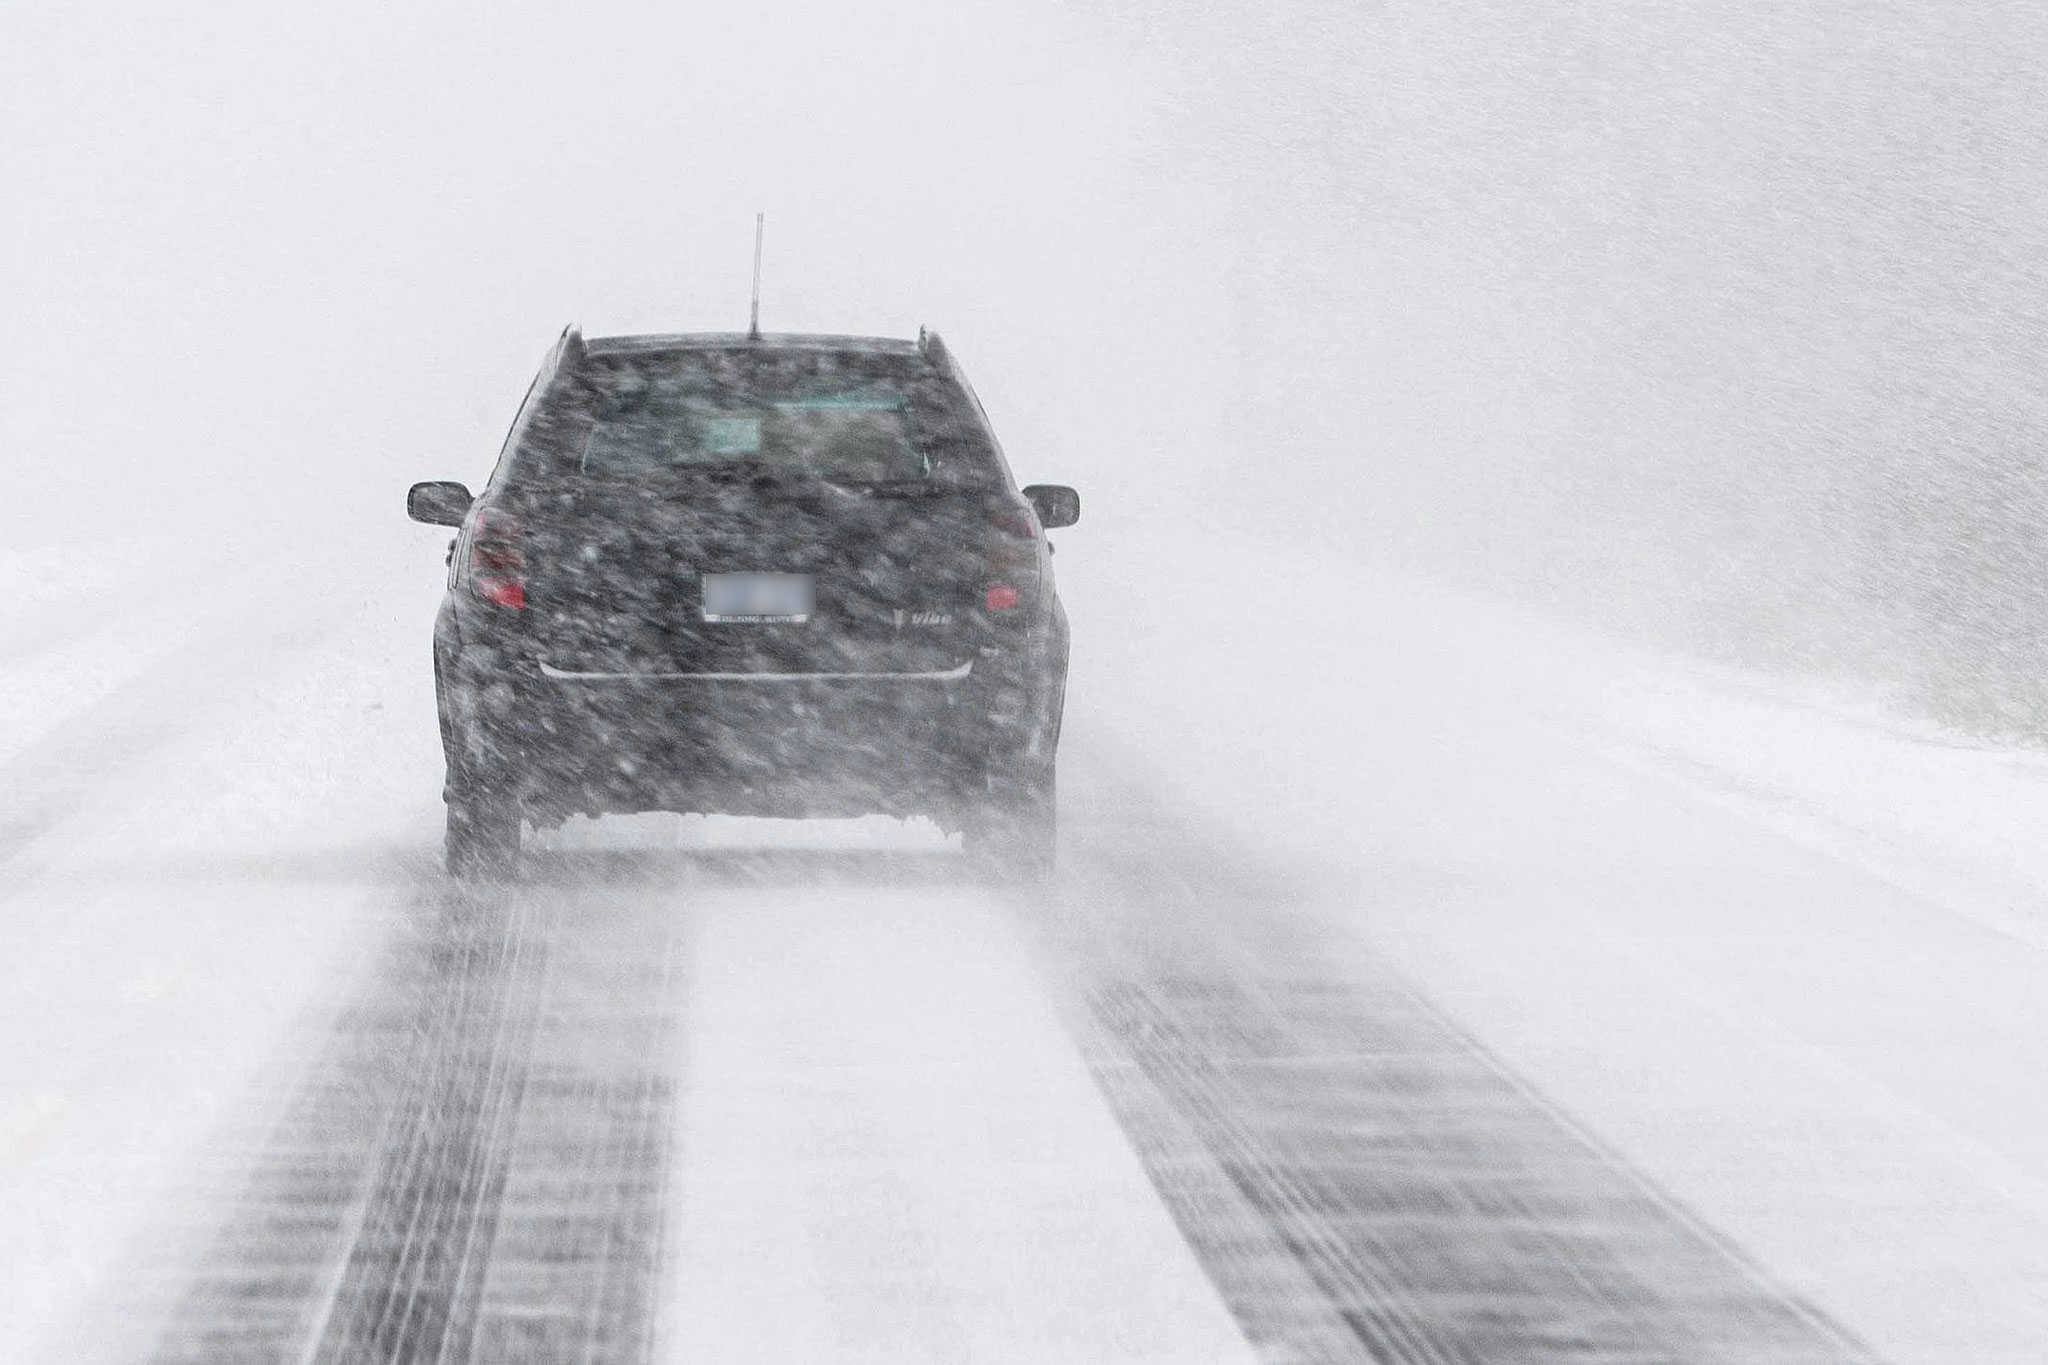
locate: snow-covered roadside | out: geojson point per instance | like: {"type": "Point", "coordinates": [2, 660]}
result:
{"type": "Point", "coordinates": [1961, 821]}
{"type": "Point", "coordinates": [1780, 956]}
{"type": "Point", "coordinates": [178, 923]}
{"type": "Point", "coordinates": [79, 622]}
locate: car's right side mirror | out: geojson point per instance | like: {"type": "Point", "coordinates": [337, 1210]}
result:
{"type": "Point", "coordinates": [1056, 504]}
{"type": "Point", "coordinates": [439, 503]}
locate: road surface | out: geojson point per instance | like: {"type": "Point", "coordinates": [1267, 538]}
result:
{"type": "Point", "coordinates": [1486, 994]}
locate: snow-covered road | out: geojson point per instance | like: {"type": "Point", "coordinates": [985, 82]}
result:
{"type": "Point", "coordinates": [1434, 985]}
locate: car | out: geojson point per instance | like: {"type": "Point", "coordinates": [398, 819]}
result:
{"type": "Point", "coordinates": [783, 575]}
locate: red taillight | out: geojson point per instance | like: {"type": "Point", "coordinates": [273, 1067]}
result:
{"type": "Point", "coordinates": [1012, 558]}
{"type": "Point", "coordinates": [503, 592]}
{"type": "Point", "coordinates": [497, 564]}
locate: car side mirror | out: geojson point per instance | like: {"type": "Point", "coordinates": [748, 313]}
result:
{"type": "Point", "coordinates": [439, 503]}
{"type": "Point", "coordinates": [1056, 504]}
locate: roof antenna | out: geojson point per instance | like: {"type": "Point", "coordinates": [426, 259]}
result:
{"type": "Point", "coordinates": [754, 319]}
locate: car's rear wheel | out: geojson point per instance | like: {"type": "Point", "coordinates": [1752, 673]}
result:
{"type": "Point", "coordinates": [1013, 834]}
{"type": "Point", "coordinates": [482, 842]}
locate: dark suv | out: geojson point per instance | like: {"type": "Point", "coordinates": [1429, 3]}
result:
{"type": "Point", "coordinates": [782, 575]}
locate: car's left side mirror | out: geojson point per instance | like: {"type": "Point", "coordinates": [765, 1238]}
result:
{"type": "Point", "coordinates": [438, 504]}
{"type": "Point", "coordinates": [1056, 504]}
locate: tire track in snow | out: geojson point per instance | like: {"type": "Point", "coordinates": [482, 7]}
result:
{"type": "Point", "coordinates": [1443, 1213]}
{"type": "Point", "coordinates": [1362, 1179]}
{"type": "Point", "coordinates": [573, 1271]}
{"type": "Point", "coordinates": [476, 1168]}
{"type": "Point", "coordinates": [409, 1284]}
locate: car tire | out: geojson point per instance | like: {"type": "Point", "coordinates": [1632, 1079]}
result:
{"type": "Point", "coordinates": [1013, 835]}
{"type": "Point", "coordinates": [482, 842]}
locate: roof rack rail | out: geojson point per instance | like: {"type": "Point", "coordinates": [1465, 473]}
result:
{"type": "Point", "coordinates": [933, 349]}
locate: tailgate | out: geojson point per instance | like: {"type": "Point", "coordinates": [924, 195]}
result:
{"type": "Point", "coordinates": [618, 579]}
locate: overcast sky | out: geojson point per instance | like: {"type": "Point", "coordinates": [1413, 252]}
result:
{"type": "Point", "coordinates": [1590, 293]}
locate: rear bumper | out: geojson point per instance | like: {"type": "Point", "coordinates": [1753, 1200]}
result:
{"type": "Point", "coordinates": [791, 745]}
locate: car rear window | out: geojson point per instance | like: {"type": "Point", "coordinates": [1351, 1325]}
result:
{"type": "Point", "coordinates": [847, 417]}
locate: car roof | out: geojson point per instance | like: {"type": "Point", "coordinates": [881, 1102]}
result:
{"type": "Point", "coordinates": [774, 341]}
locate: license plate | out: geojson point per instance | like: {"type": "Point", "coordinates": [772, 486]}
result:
{"type": "Point", "coordinates": [740, 598]}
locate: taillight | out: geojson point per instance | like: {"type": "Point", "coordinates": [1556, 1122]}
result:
{"type": "Point", "coordinates": [497, 563]}
{"type": "Point", "coordinates": [1012, 559]}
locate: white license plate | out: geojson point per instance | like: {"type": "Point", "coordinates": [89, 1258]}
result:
{"type": "Point", "coordinates": [755, 597]}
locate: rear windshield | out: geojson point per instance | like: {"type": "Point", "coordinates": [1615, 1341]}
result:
{"type": "Point", "coordinates": [847, 417]}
